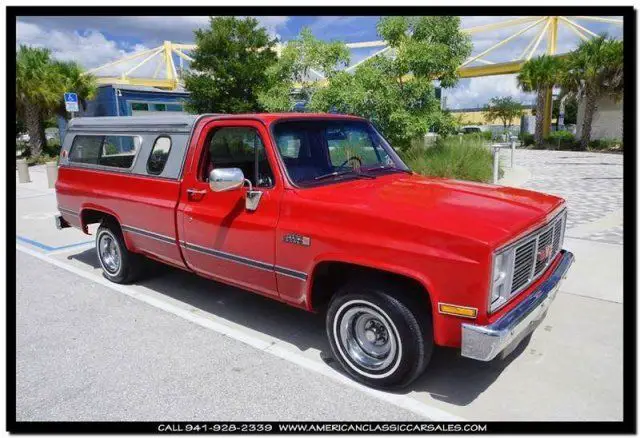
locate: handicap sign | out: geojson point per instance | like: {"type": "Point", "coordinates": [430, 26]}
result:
{"type": "Point", "coordinates": [71, 102]}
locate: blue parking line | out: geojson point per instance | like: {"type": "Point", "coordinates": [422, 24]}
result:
{"type": "Point", "coordinates": [47, 247]}
{"type": "Point", "coordinates": [35, 243]}
{"type": "Point", "coordinates": [73, 244]}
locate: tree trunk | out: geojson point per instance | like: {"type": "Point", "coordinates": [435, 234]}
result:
{"type": "Point", "coordinates": [589, 110]}
{"type": "Point", "coordinates": [540, 115]}
{"type": "Point", "coordinates": [35, 128]}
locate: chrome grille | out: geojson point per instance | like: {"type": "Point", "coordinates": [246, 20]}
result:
{"type": "Point", "coordinates": [536, 252]}
{"type": "Point", "coordinates": [558, 232]}
{"type": "Point", "coordinates": [522, 265]}
{"type": "Point", "coordinates": [544, 251]}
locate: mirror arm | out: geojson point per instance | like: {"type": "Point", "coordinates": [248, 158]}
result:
{"type": "Point", "coordinates": [252, 197]}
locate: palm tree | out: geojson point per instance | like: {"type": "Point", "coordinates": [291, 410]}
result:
{"type": "Point", "coordinates": [540, 75]}
{"type": "Point", "coordinates": [74, 80]}
{"type": "Point", "coordinates": [594, 69]}
{"type": "Point", "coordinates": [36, 92]}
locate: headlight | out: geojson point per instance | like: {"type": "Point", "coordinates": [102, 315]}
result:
{"type": "Point", "coordinates": [501, 278]}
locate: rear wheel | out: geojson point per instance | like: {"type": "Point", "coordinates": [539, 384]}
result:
{"type": "Point", "coordinates": [380, 338]}
{"type": "Point", "coordinates": [118, 263]}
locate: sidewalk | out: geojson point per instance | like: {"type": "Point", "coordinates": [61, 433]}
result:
{"type": "Point", "coordinates": [591, 183]}
{"type": "Point", "coordinates": [36, 208]}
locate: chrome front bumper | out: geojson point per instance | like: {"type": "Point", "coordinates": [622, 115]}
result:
{"type": "Point", "coordinates": [486, 342]}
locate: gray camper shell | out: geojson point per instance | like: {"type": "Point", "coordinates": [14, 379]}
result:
{"type": "Point", "coordinates": [146, 145]}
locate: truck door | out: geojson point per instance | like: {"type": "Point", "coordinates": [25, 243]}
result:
{"type": "Point", "coordinates": [219, 237]}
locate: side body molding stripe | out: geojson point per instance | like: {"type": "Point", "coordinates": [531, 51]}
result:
{"type": "Point", "coordinates": [152, 235]}
{"type": "Point", "coordinates": [245, 261]}
{"type": "Point", "coordinates": [220, 254]}
{"type": "Point", "coordinates": [227, 256]}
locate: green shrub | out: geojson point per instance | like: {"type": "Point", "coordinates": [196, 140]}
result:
{"type": "Point", "coordinates": [475, 137]}
{"type": "Point", "coordinates": [42, 159]}
{"type": "Point", "coordinates": [606, 144]}
{"type": "Point", "coordinates": [487, 135]}
{"type": "Point", "coordinates": [560, 136]}
{"type": "Point", "coordinates": [52, 147]}
{"type": "Point", "coordinates": [450, 158]}
{"type": "Point", "coordinates": [21, 147]}
{"type": "Point", "coordinates": [527, 139]}
{"type": "Point", "coordinates": [561, 140]}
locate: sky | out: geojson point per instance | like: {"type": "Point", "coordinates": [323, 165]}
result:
{"type": "Point", "coordinates": [94, 41]}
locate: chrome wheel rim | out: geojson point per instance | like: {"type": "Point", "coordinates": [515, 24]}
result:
{"type": "Point", "coordinates": [368, 338]}
{"type": "Point", "coordinates": [109, 252]}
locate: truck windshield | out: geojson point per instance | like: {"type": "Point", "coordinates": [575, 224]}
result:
{"type": "Point", "coordinates": [321, 151]}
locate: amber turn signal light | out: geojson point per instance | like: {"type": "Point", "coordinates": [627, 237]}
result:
{"type": "Point", "coordinates": [450, 309]}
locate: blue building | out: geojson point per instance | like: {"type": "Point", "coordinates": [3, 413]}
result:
{"type": "Point", "coordinates": [131, 100]}
{"type": "Point", "coordinates": [134, 100]}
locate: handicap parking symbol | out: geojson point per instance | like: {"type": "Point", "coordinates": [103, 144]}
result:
{"type": "Point", "coordinates": [71, 102]}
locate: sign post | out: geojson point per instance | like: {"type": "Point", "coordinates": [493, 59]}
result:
{"type": "Point", "coordinates": [71, 103]}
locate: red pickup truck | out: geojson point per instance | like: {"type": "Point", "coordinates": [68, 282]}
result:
{"type": "Point", "coordinates": [318, 211]}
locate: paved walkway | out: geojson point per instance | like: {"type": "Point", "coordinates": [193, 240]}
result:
{"type": "Point", "coordinates": [590, 182]}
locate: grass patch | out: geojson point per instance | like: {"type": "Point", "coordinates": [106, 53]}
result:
{"type": "Point", "coordinates": [566, 141]}
{"type": "Point", "coordinates": [467, 159]}
{"type": "Point", "coordinates": [606, 144]}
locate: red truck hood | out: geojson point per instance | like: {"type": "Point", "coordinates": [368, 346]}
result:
{"type": "Point", "coordinates": [483, 212]}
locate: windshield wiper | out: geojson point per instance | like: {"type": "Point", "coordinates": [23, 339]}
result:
{"type": "Point", "coordinates": [386, 167]}
{"type": "Point", "coordinates": [344, 172]}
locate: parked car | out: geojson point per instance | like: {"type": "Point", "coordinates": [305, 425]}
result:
{"type": "Point", "coordinates": [471, 129]}
{"type": "Point", "coordinates": [319, 212]}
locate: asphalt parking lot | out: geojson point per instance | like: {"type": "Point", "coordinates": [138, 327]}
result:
{"type": "Point", "coordinates": [175, 346]}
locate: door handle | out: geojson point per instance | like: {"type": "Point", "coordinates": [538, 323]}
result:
{"type": "Point", "coordinates": [195, 194]}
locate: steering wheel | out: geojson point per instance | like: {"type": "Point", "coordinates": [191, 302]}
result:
{"type": "Point", "coordinates": [349, 159]}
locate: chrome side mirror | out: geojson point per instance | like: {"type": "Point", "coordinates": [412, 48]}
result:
{"type": "Point", "coordinates": [225, 179]}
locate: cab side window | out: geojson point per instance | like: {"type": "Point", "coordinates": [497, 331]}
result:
{"type": "Point", "coordinates": [238, 147]}
{"type": "Point", "coordinates": [159, 155]}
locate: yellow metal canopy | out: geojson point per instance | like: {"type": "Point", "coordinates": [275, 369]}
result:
{"type": "Point", "coordinates": [162, 55]}
{"type": "Point", "coordinates": [544, 26]}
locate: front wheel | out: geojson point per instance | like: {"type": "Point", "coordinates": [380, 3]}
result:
{"type": "Point", "coordinates": [380, 339]}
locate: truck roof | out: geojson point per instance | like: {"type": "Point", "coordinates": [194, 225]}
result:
{"type": "Point", "coordinates": [183, 122]}
{"type": "Point", "coordinates": [176, 122]}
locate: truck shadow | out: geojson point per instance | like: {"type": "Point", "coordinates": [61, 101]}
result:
{"type": "Point", "coordinates": [449, 377]}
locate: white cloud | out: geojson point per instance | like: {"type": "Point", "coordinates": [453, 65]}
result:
{"type": "Point", "coordinates": [476, 92]}
{"type": "Point", "coordinates": [149, 30]}
{"type": "Point", "coordinates": [90, 48]}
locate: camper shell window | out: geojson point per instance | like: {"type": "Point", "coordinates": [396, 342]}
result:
{"type": "Point", "coordinates": [118, 151]}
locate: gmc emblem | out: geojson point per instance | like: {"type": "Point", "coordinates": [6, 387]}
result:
{"type": "Point", "coordinates": [544, 253]}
